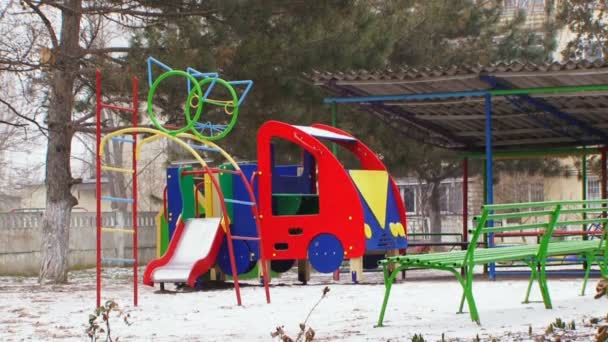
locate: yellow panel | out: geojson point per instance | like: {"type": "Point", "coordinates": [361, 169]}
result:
{"type": "Point", "coordinates": [394, 229]}
{"type": "Point", "coordinates": [200, 198]}
{"type": "Point", "coordinates": [208, 196]}
{"type": "Point", "coordinates": [373, 186]}
{"type": "Point", "coordinates": [401, 229]}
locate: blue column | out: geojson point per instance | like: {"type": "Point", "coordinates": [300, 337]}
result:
{"type": "Point", "coordinates": [489, 175]}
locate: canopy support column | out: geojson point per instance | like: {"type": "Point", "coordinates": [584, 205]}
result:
{"type": "Point", "coordinates": [465, 201]}
{"type": "Point", "coordinates": [489, 174]}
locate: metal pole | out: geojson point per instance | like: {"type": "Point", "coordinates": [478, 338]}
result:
{"type": "Point", "coordinates": [603, 191]}
{"type": "Point", "coordinates": [98, 179]}
{"type": "Point", "coordinates": [465, 201]}
{"type": "Point", "coordinates": [575, 151]}
{"type": "Point", "coordinates": [134, 206]}
{"type": "Point", "coordinates": [584, 189]}
{"type": "Point", "coordinates": [334, 123]}
{"type": "Point", "coordinates": [489, 174]}
{"type": "Point", "coordinates": [334, 150]}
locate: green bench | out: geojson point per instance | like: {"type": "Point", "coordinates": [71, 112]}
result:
{"type": "Point", "coordinates": [540, 217]}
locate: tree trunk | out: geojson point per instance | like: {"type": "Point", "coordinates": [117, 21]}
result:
{"type": "Point", "coordinates": [59, 200]}
{"type": "Point", "coordinates": [435, 211]}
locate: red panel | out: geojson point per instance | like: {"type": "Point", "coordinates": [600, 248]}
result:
{"type": "Point", "coordinates": [340, 210]}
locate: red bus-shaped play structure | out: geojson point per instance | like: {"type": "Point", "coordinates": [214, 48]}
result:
{"type": "Point", "coordinates": [320, 210]}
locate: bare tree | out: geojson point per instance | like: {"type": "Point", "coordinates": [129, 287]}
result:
{"type": "Point", "coordinates": [52, 48]}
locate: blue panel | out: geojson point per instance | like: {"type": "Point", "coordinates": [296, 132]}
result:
{"type": "Point", "coordinates": [243, 223]}
{"type": "Point", "coordinates": [383, 239]}
{"type": "Point", "coordinates": [174, 198]}
{"type": "Point", "coordinates": [285, 179]}
{"type": "Point", "coordinates": [325, 253]}
{"type": "Point", "coordinates": [241, 257]}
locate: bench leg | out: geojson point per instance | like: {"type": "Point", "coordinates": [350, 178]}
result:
{"type": "Point", "coordinates": [544, 289]}
{"type": "Point", "coordinates": [590, 258]}
{"type": "Point", "coordinates": [461, 302]}
{"type": "Point", "coordinates": [467, 287]}
{"type": "Point", "coordinates": [388, 283]}
{"type": "Point", "coordinates": [533, 276]}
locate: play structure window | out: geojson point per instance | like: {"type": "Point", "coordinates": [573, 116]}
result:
{"type": "Point", "coordinates": [294, 185]}
{"type": "Point", "coordinates": [346, 157]}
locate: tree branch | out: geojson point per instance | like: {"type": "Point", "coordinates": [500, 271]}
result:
{"type": "Point", "coordinates": [81, 120]}
{"type": "Point", "coordinates": [102, 51]}
{"type": "Point", "coordinates": [147, 14]}
{"type": "Point", "coordinates": [42, 129]}
{"type": "Point", "coordinates": [46, 22]}
{"type": "Point", "coordinates": [12, 124]}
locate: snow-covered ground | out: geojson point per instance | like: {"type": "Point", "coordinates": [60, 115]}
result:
{"type": "Point", "coordinates": [418, 305]}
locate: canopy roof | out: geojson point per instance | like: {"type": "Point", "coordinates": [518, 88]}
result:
{"type": "Point", "coordinates": [447, 106]}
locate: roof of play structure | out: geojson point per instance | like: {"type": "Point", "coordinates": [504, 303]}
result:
{"type": "Point", "coordinates": [321, 133]}
{"type": "Point", "coordinates": [447, 106]}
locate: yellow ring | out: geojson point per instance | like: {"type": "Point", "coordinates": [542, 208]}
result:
{"type": "Point", "coordinates": [198, 102]}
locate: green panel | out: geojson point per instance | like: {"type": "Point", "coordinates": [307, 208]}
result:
{"type": "Point", "coordinates": [164, 234]}
{"type": "Point", "coordinates": [201, 209]}
{"type": "Point", "coordinates": [286, 205]}
{"type": "Point", "coordinates": [186, 185]}
{"type": "Point", "coordinates": [295, 204]}
{"type": "Point", "coordinates": [309, 206]}
{"type": "Point", "coordinates": [227, 186]}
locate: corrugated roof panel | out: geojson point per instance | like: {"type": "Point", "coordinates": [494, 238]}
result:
{"type": "Point", "coordinates": [551, 119]}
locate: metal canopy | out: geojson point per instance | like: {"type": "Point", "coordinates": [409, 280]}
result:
{"type": "Point", "coordinates": [567, 103]}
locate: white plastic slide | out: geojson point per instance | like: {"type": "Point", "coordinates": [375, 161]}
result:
{"type": "Point", "coordinates": [192, 252]}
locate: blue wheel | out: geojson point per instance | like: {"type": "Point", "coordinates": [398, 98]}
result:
{"type": "Point", "coordinates": [241, 257]}
{"type": "Point", "coordinates": [325, 253]}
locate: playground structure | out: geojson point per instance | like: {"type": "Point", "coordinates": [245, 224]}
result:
{"type": "Point", "coordinates": [315, 210]}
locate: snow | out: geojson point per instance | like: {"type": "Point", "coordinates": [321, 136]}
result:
{"type": "Point", "coordinates": [418, 305]}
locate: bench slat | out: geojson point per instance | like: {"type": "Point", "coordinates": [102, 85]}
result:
{"type": "Point", "coordinates": [588, 221]}
{"type": "Point", "coordinates": [518, 214]}
{"type": "Point", "coordinates": [516, 227]}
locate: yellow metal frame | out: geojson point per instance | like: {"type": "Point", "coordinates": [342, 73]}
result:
{"type": "Point", "coordinates": [117, 230]}
{"type": "Point", "coordinates": [156, 134]}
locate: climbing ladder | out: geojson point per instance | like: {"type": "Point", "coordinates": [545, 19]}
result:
{"type": "Point", "coordinates": [114, 168]}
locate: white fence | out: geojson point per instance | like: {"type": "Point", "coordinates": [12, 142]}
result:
{"type": "Point", "coordinates": [20, 240]}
